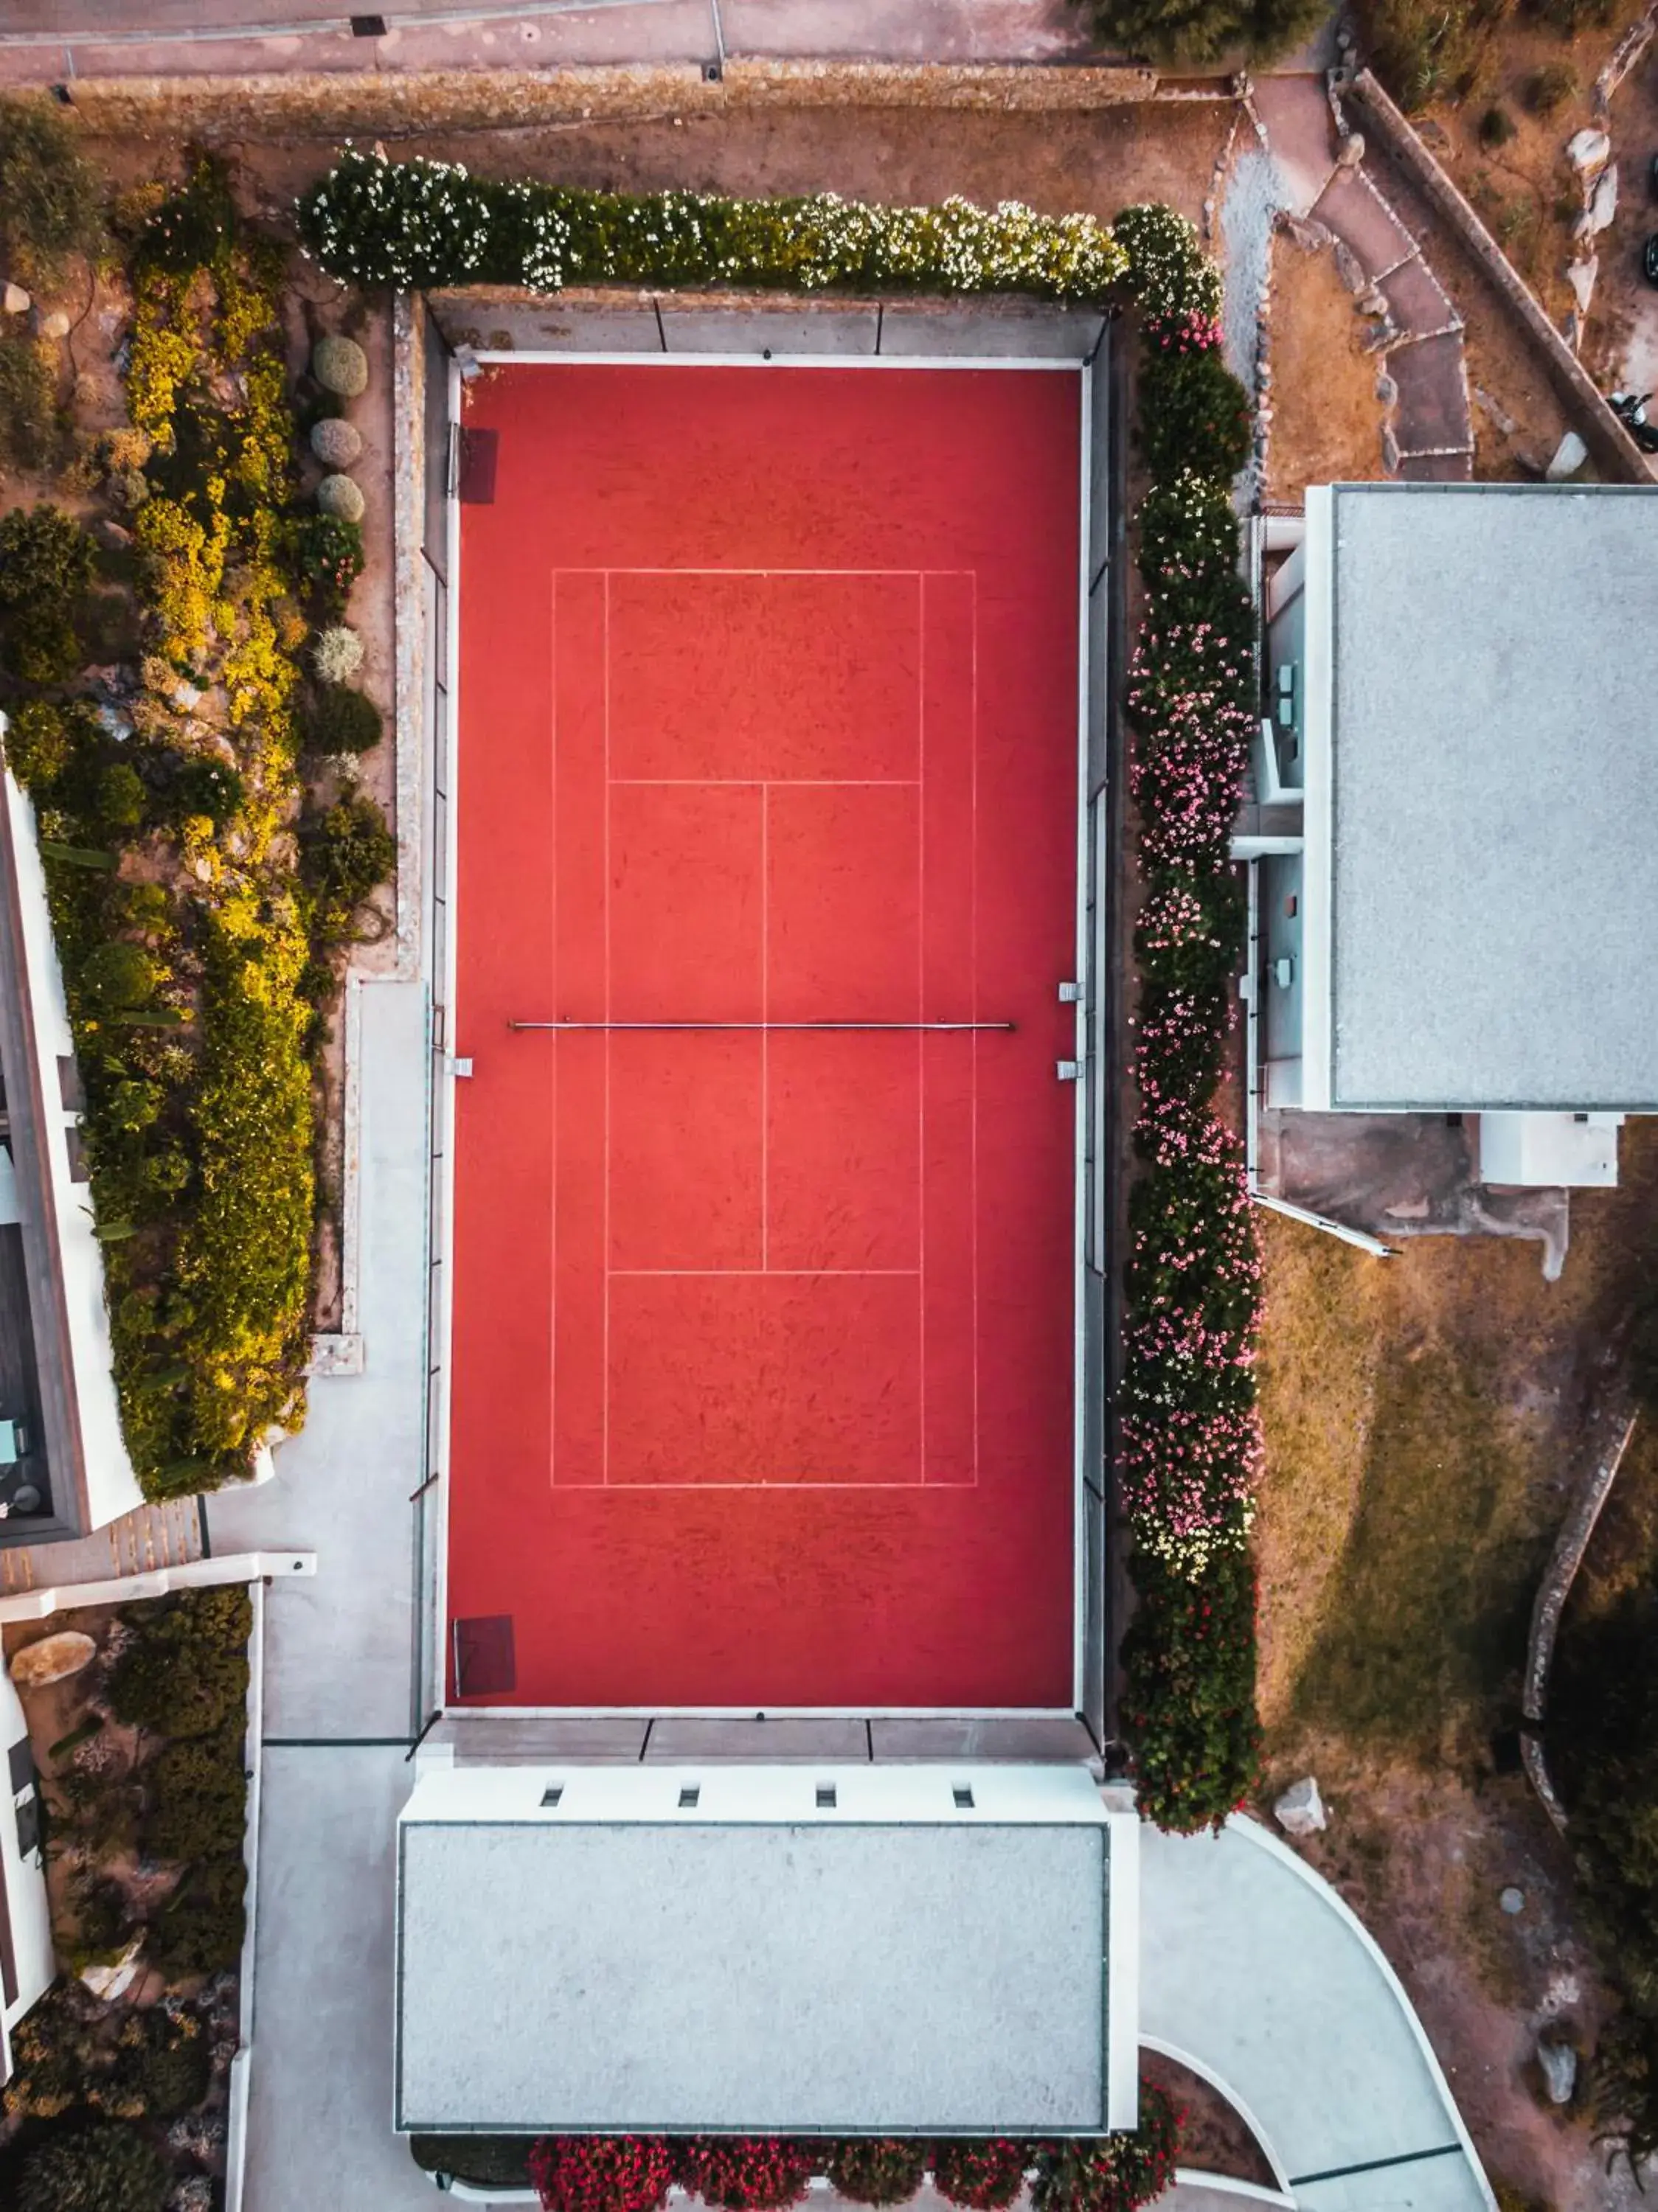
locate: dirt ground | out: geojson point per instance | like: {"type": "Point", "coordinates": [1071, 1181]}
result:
{"type": "Point", "coordinates": [1425, 1422]}
{"type": "Point", "coordinates": [1097, 162]}
{"type": "Point", "coordinates": [1326, 418]}
{"type": "Point", "coordinates": [1624, 327]}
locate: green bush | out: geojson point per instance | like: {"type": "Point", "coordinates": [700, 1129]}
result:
{"type": "Point", "coordinates": [161, 2067]}
{"type": "Point", "coordinates": [1185, 31]}
{"type": "Point", "coordinates": [121, 798]}
{"type": "Point", "coordinates": [1548, 89]}
{"type": "Point", "coordinates": [1110, 2174]}
{"type": "Point", "coordinates": [345, 852]}
{"type": "Point", "coordinates": [51, 196]}
{"type": "Point", "coordinates": [339, 719]}
{"type": "Point", "coordinates": [201, 1927]}
{"type": "Point", "coordinates": [329, 553]}
{"type": "Point", "coordinates": [31, 430]}
{"type": "Point", "coordinates": [39, 743]}
{"type": "Point", "coordinates": [877, 2171]}
{"type": "Point", "coordinates": [184, 1671]}
{"type": "Point", "coordinates": [103, 2169]}
{"type": "Point", "coordinates": [1425, 50]}
{"type": "Point", "coordinates": [1194, 413]}
{"type": "Point", "coordinates": [198, 1792]}
{"type": "Point", "coordinates": [117, 976]}
{"type": "Point", "coordinates": [47, 563]}
{"type": "Point", "coordinates": [197, 784]}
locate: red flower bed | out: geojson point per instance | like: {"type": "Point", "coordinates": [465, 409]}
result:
{"type": "Point", "coordinates": [747, 2173]}
{"type": "Point", "coordinates": [602, 2173]}
{"type": "Point", "coordinates": [983, 2174]}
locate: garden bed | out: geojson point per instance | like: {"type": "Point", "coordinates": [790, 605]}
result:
{"type": "Point", "coordinates": [122, 2070]}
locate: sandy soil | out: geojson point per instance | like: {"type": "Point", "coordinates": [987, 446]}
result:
{"type": "Point", "coordinates": [1326, 418]}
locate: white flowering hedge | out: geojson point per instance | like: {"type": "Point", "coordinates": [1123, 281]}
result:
{"type": "Point", "coordinates": [417, 224]}
{"type": "Point", "coordinates": [1188, 1437]}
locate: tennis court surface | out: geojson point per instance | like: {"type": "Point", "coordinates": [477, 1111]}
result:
{"type": "Point", "coordinates": [763, 1328]}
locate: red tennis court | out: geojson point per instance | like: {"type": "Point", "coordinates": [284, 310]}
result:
{"type": "Point", "coordinates": [763, 1334]}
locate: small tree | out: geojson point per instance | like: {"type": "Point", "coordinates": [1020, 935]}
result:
{"type": "Point", "coordinates": [877, 2170]}
{"type": "Point", "coordinates": [31, 432]}
{"type": "Point", "coordinates": [1205, 30]}
{"type": "Point", "coordinates": [51, 196]}
{"type": "Point", "coordinates": [982, 2174]}
{"type": "Point", "coordinates": [46, 566]}
{"type": "Point", "coordinates": [109, 2169]}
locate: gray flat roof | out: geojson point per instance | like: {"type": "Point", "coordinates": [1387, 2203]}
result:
{"type": "Point", "coordinates": [1494, 751]}
{"type": "Point", "coordinates": [911, 1971]}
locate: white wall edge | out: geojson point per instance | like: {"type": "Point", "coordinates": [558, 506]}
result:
{"type": "Point", "coordinates": [1228, 2185]}
{"type": "Point", "coordinates": [1123, 1973]}
{"type": "Point", "coordinates": [1251, 1831]}
{"type": "Point", "coordinates": [241, 2066]}
{"type": "Point", "coordinates": [1224, 2087]}
{"type": "Point", "coordinates": [160, 1581]}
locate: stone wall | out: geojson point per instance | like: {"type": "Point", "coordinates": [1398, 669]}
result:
{"type": "Point", "coordinates": [325, 105]}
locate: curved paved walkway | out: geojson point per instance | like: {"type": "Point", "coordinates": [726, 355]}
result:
{"type": "Point", "coordinates": [1417, 332]}
{"type": "Point", "coordinates": [1255, 1975]}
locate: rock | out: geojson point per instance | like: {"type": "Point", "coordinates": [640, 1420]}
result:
{"type": "Point", "coordinates": [112, 535]}
{"type": "Point", "coordinates": [1350, 269]}
{"type": "Point", "coordinates": [1299, 1811]}
{"type": "Point", "coordinates": [1302, 230]}
{"type": "Point", "coordinates": [1386, 389]}
{"type": "Point", "coordinates": [1581, 276]}
{"type": "Point", "coordinates": [186, 697]}
{"type": "Point", "coordinates": [1559, 2063]}
{"type": "Point", "coordinates": [1588, 150]}
{"type": "Point", "coordinates": [54, 325]}
{"type": "Point", "coordinates": [1569, 456]}
{"type": "Point", "coordinates": [1512, 1900]}
{"type": "Point", "coordinates": [115, 1978]}
{"type": "Point", "coordinates": [52, 1659]}
{"type": "Point", "coordinates": [1389, 451]}
{"type": "Point", "coordinates": [339, 495]}
{"type": "Point", "coordinates": [115, 724]}
{"type": "Point", "coordinates": [336, 442]}
{"type": "Point", "coordinates": [14, 301]}
{"type": "Point", "coordinates": [1351, 153]}
{"type": "Point", "coordinates": [1603, 200]}
{"type": "Point", "coordinates": [340, 366]}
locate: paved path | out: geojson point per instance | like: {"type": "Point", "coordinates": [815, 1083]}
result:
{"type": "Point", "coordinates": [1428, 435]}
{"type": "Point", "coordinates": [1255, 1975]}
{"type": "Point", "coordinates": [54, 42]}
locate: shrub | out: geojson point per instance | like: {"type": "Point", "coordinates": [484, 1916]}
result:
{"type": "Point", "coordinates": [877, 2171]}
{"type": "Point", "coordinates": [336, 442]}
{"type": "Point", "coordinates": [345, 853]}
{"type": "Point", "coordinates": [46, 566]}
{"type": "Point", "coordinates": [339, 497]}
{"type": "Point", "coordinates": [184, 1671]}
{"type": "Point", "coordinates": [1204, 30]}
{"type": "Point", "coordinates": [1194, 413]}
{"type": "Point", "coordinates": [1189, 1709]}
{"type": "Point", "coordinates": [199, 1797]}
{"type": "Point", "coordinates": [339, 719]}
{"type": "Point", "coordinates": [602, 2173]}
{"type": "Point", "coordinates": [330, 555]}
{"type": "Point", "coordinates": [1110, 2174]}
{"type": "Point", "coordinates": [161, 2067]}
{"type": "Point", "coordinates": [337, 654]}
{"type": "Point", "coordinates": [201, 1927]}
{"type": "Point", "coordinates": [192, 228]}
{"type": "Point", "coordinates": [745, 2174]}
{"type": "Point", "coordinates": [51, 196]}
{"type": "Point", "coordinates": [31, 432]}
{"type": "Point", "coordinates": [340, 366]}
{"type": "Point", "coordinates": [983, 2174]}
{"type": "Point", "coordinates": [417, 224]}
{"type": "Point", "coordinates": [117, 976]}
{"type": "Point", "coordinates": [203, 785]}
{"type": "Point", "coordinates": [1550, 88]}
{"type": "Point", "coordinates": [1425, 50]}
{"type": "Point", "coordinates": [39, 743]}
{"type": "Point", "coordinates": [103, 2169]}
{"type": "Point", "coordinates": [121, 798]}
{"type": "Point", "coordinates": [1496, 127]}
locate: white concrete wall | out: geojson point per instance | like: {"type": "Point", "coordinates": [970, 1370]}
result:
{"type": "Point", "coordinates": [111, 1487]}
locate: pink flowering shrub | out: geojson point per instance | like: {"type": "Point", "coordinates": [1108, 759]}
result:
{"type": "Point", "coordinates": [602, 2173]}
{"type": "Point", "coordinates": [1111, 2173]}
{"type": "Point", "coordinates": [745, 2173]}
{"type": "Point", "coordinates": [1188, 1435]}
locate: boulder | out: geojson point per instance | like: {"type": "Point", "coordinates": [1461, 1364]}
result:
{"type": "Point", "coordinates": [14, 301]}
{"type": "Point", "coordinates": [1559, 2063]}
{"type": "Point", "coordinates": [1512, 1900]}
{"type": "Point", "coordinates": [52, 1659]}
{"type": "Point", "coordinates": [1603, 200]}
{"type": "Point", "coordinates": [112, 536]}
{"type": "Point", "coordinates": [1581, 276]}
{"type": "Point", "coordinates": [1588, 150]}
{"type": "Point", "coordinates": [339, 495]}
{"type": "Point", "coordinates": [340, 366]}
{"type": "Point", "coordinates": [336, 442]}
{"type": "Point", "coordinates": [116, 1978]}
{"type": "Point", "coordinates": [1299, 1811]}
{"type": "Point", "coordinates": [1569, 456]}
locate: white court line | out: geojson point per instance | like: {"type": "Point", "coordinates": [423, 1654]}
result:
{"type": "Point", "coordinates": [604, 1375]}
{"type": "Point", "coordinates": [765, 1016]}
{"type": "Point", "coordinates": [921, 988]}
{"type": "Point", "coordinates": [552, 1180]}
{"type": "Point", "coordinates": [810, 1275]}
{"type": "Point", "coordinates": [765, 783]}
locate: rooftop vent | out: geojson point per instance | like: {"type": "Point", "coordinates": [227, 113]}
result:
{"type": "Point", "coordinates": [688, 1797]}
